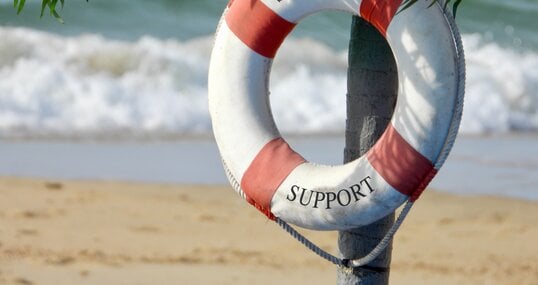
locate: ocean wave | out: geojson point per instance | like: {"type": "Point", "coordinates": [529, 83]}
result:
{"type": "Point", "coordinates": [502, 88]}
{"type": "Point", "coordinates": [91, 86]}
{"type": "Point", "coordinates": [88, 85]}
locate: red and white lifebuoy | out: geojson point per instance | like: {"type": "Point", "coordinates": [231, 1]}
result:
{"type": "Point", "coordinates": [278, 181]}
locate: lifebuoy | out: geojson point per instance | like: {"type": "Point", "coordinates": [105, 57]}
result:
{"type": "Point", "coordinates": [279, 182]}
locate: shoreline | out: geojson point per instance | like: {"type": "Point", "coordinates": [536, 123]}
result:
{"type": "Point", "coordinates": [499, 165]}
{"type": "Point", "coordinates": [106, 232]}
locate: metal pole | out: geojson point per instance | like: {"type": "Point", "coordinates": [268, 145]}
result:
{"type": "Point", "coordinates": [372, 90]}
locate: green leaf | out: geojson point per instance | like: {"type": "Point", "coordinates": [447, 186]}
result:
{"type": "Point", "coordinates": [51, 4]}
{"type": "Point", "coordinates": [43, 6]}
{"type": "Point", "coordinates": [408, 3]}
{"type": "Point", "coordinates": [455, 7]}
{"type": "Point", "coordinates": [57, 16]}
{"type": "Point", "coordinates": [21, 5]}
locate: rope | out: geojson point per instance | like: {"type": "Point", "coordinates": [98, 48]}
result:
{"type": "Point", "coordinates": [306, 242]}
{"type": "Point", "coordinates": [350, 263]}
{"type": "Point", "coordinates": [456, 117]}
{"type": "Point", "coordinates": [231, 178]}
{"type": "Point", "coordinates": [386, 239]}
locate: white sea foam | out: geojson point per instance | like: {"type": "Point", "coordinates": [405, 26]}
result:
{"type": "Point", "coordinates": [92, 86]}
{"type": "Point", "coordinates": [88, 85]}
{"type": "Point", "coordinates": [502, 88]}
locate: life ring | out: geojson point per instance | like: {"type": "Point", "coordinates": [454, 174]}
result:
{"type": "Point", "coordinates": [278, 181]}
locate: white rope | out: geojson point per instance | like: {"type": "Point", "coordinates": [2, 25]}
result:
{"type": "Point", "coordinates": [354, 263]}
{"type": "Point", "coordinates": [235, 185]}
{"type": "Point", "coordinates": [306, 242]}
{"type": "Point", "coordinates": [385, 241]}
{"type": "Point", "coordinates": [456, 117]}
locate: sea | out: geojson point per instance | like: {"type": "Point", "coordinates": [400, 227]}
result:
{"type": "Point", "coordinates": [119, 91]}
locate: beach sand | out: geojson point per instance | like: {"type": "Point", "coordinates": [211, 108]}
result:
{"type": "Point", "coordinates": [88, 232]}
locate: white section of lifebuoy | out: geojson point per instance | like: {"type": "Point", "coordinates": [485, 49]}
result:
{"type": "Point", "coordinates": [426, 61]}
{"type": "Point", "coordinates": [250, 125]}
{"type": "Point", "coordinates": [275, 179]}
{"type": "Point", "coordinates": [345, 194]}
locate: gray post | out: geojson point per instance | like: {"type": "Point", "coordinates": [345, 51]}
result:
{"type": "Point", "coordinates": [372, 90]}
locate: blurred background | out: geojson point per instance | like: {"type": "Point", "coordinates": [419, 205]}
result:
{"type": "Point", "coordinates": [120, 92]}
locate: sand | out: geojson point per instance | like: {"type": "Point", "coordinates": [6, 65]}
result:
{"type": "Point", "coordinates": [88, 232]}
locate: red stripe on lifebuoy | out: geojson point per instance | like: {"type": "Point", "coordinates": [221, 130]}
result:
{"type": "Point", "coordinates": [258, 26]}
{"type": "Point", "coordinates": [267, 171]}
{"type": "Point", "coordinates": [379, 12]}
{"type": "Point", "coordinates": [403, 167]}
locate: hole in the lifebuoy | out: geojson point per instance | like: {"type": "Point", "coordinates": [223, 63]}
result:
{"type": "Point", "coordinates": [308, 86]}
{"type": "Point", "coordinates": [309, 83]}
